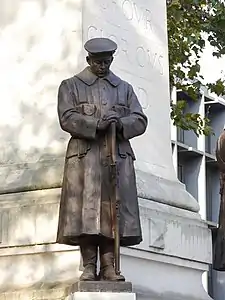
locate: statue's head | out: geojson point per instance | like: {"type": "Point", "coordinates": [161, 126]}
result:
{"type": "Point", "coordinates": [100, 55]}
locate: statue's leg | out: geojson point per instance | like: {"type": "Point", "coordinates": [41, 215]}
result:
{"type": "Point", "coordinates": [88, 248]}
{"type": "Point", "coordinates": [107, 270]}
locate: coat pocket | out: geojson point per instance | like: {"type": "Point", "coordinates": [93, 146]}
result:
{"type": "Point", "coordinates": [121, 110]}
{"type": "Point", "coordinates": [87, 109]}
{"type": "Point", "coordinates": [77, 147]}
{"type": "Point", "coordinates": [125, 149]}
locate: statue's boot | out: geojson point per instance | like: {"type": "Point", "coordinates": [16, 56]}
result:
{"type": "Point", "coordinates": [107, 269]}
{"type": "Point", "coordinates": [89, 255]}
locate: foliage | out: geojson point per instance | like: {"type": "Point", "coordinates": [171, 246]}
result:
{"type": "Point", "coordinates": [190, 24]}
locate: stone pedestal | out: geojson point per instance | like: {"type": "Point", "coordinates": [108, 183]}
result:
{"type": "Point", "coordinates": [102, 296]}
{"type": "Point", "coordinates": [101, 291]}
{"type": "Point", "coordinates": [174, 255]}
{"type": "Point", "coordinates": [101, 287]}
{"type": "Point", "coordinates": [167, 265]}
{"type": "Point", "coordinates": [42, 44]}
{"type": "Point", "coordinates": [65, 293]}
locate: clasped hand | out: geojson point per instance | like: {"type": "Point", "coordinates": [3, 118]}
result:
{"type": "Point", "coordinates": [104, 123]}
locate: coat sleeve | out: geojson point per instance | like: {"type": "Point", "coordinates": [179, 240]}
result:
{"type": "Point", "coordinates": [136, 122]}
{"type": "Point", "coordinates": [71, 121]}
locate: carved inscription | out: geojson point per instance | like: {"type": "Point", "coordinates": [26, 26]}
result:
{"type": "Point", "coordinates": [111, 6]}
{"type": "Point", "coordinates": [127, 23]}
{"type": "Point", "coordinates": [142, 16]}
{"type": "Point", "coordinates": [145, 57]}
{"type": "Point", "coordinates": [132, 12]}
{"type": "Point", "coordinates": [142, 57]}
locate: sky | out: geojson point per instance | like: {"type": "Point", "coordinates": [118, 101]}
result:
{"type": "Point", "coordinates": [212, 67]}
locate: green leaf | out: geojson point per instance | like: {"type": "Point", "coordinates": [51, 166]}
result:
{"type": "Point", "coordinates": [187, 21]}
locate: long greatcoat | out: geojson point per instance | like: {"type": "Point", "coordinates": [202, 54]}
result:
{"type": "Point", "coordinates": [85, 198]}
{"type": "Point", "coordinates": [218, 234]}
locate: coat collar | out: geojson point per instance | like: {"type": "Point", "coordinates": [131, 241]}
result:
{"type": "Point", "coordinates": [89, 78]}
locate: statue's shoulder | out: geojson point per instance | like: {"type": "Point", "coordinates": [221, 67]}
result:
{"type": "Point", "coordinates": [126, 85]}
{"type": "Point", "coordinates": [72, 83]}
{"type": "Point", "coordinates": [121, 81]}
{"type": "Point", "coordinates": [68, 81]}
{"type": "Point", "coordinates": [115, 80]}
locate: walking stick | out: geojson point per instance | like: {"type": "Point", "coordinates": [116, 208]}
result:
{"type": "Point", "coordinates": [114, 198]}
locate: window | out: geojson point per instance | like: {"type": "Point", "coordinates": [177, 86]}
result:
{"type": "Point", "coordinates": [208, 144]}
{"type": "Point", "coordinates": [180, 173]}
{"type": "Point", "coordinates": [180, 135]}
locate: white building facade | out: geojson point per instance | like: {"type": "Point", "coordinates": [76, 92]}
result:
{"type": "Point", "coordinates": [196, 167]}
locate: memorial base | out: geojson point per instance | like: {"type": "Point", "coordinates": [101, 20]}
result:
{"type": "Point", "coordinates": [62, 294]}
{"type": "Point", "coordinates": [100, 290]}
{"type": "Point", "coordinates": [101, 296]}
{"type": "Point", "coordinates": [101, 286]}
{"type": "Point", "coordinates": [167, 265]}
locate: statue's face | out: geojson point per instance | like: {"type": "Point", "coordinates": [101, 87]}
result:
{"type": "Point", "coordinates": [100, 65]}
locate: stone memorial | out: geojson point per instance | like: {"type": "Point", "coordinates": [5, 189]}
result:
{"type": "Point", "coordinates": [41, 44]}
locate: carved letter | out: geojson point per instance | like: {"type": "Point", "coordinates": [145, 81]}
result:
{"type": "Point", "coordinates": [103, 4]}
{"type": "Point", "coordinates": [151, 58]}
{"type": "Point", "coordinates": [160, 58]}
{"type": "Point", "coordinates": [127, 9]}
{"type": "Point", "coordinates": [92, 31]}
{"type": "Point", "coordinates": [143, 97]}
{"type": "Point", "coordinates": [114, 7]}
{"type": "Point", "coordinates": [108, 6]}
{"type": "Point", "coordinates": [102, 32]}
{"type": "Point", "coordinates": [138, 15]}
{"type": "Point", "coordinates": [125, 48]}
{"type": "Point", "coordinates": [114, 38]}
{"type": "Point", "coordinates": [148, 23]}
{"type": "Point", "coordinates": [141, 56]}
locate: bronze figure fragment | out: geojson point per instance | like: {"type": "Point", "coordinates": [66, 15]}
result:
{"type": "Point", "coordinates": [99, 202]}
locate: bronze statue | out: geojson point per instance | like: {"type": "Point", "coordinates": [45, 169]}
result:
{"type": "Point", "coordinates": [219, 233]}
{"type": "Point", "coordinates": [101, 112]}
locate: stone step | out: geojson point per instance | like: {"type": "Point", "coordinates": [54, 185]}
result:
{"type": "Point", "coordinates": [45, 294]}
{"type": "Point", "coordinates": [79, 290]}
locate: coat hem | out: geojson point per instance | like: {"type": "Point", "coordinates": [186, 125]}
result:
{"type": "Point", "coordinates": [75, 240]}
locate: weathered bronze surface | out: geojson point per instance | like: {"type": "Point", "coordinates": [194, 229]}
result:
{"type": "Point", "coordinates": [219, 233]}
{"type": "Point", "coordinates": [88, 103]}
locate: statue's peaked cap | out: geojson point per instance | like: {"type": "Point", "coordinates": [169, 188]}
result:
{"type": "Point", "coordinates": [100, 45]}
